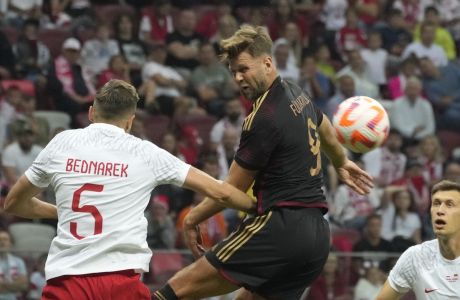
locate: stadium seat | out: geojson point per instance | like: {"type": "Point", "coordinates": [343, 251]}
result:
{"type": "Point", "coordinates": [26, 86]}
{"type": "Point", "coordinates": [203, 123]}
{"type": "Point", "coordinates": [164, 265]}
{"type": "Point", "coordinates": [55, 118]}
{"type": "Point", "coordinates": [449, 141]}
{"type": "Point", "coordinates": [30, 239]}
{"type": "Point", "coordinates": [53, 39]}
{"type": "Point", "coordinates": [155, 127]}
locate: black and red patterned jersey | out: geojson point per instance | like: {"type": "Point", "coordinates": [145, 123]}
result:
{"type": "Point", "coordinates": [280, 140]}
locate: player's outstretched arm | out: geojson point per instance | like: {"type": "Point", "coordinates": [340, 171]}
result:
{"type": "Point", "coordinates": [221, 192]}
{"type": "Point", "coordinates": [347, 170]}
{"type": "Point", "coordinates": [388, 293]}
{"type": "Point", "coordinates": [21, 201]}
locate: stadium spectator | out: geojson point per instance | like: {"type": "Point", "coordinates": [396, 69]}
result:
{"type": "Point", "coordinates": [412, 11]}
{"type": "Point", "coordinates": [234, 118]}
{"type": "Point", "coordinates": [443, 38]}
{"type": "Point", "coordinates": [350, 209]}
{"type": "Point", "coordinates": [19, 11]}
{"type": "Point", "coordinates": [157, 22]}
{"type": "Point", "coordinates": [32, 56]}
{"type": "Point", "coordinates": [13, 270]}
{"type": "Point", "coordinates": [394, 32]}
{"type": "Point", "coordinates": [169, 85]}
{"type": "Point", "coordinates": [54, 16]}
{"type": "Point", "coordinates": [9, 110]}
{"type": "Point", "coordinates": [41, 126]}
{"type": "Point", "coordinates": [350, 37]}
{"type": "Point", "coordinates": [440, 85]}
{"type": "Point", "coordinates": [315, 84]}
{"type": "Point", "coordinates": [97, 52]}
{"type": "Point", "coordinates": [422, 120]}
{"type": "Point", "coordinates": [208, 24]}
{"type": "Point", "coordinates": [285, 61]}
{"type": "Point", "coordinates": [323, 60]}
{"type": "Point", "coordinates": [397, 83]}
{"type": "Point", "coordinates": [372, 240]}
{"type": "Point", "coordinates": [7, 59]}
{"type": "Point", "coordinates": [212, 82]}
{"type": "Point", "coordinates": [37, 279]}
{"type": "Point", "coordinates": [426, 47]}
{"type": "Point", "coordinates": [284, 13]}
{"type": "Point", "coordinates": [452, 171]}
{"type": "Point", "coordinates": [400, 222]}
{"type": "Point", "coordinates": [130, 46]}
{"type": "Point", "coordinates": [118, 68]}
{"type": "Point", "coordinates": [18, 156]}
{"type": "Point", "coordinates": [376, 58]}
{"type": "Point", "coordinates": [359, 70]}
{"type": "Point", "coordinates": [183, 44]}
{"type": "Point", "coordinates": [77, 88]}
{"type": "Point", "coordinates": [226, 151]}
{"type": "Point", "coordinates": [368, 11]}
{"type": "Point", "coordinates": [345, 89]}
{"type": "Point", "coordinates": [386, 164]}
{"type": "Point", "coordinates": [331, 284]}
{"type": "Point", "coordinates": [370, 284]}
{"type": "Point", "coordinates": [333, 16]}
{"type": "Point", "coordinates": [431, 156]}
{"type": "Point", "coordinates": [161, 233]}
{"type": "Point", "coordinates": [227, 26]}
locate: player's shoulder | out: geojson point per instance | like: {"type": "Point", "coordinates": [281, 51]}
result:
{"type": "Point", "coordinates": [424, 255]}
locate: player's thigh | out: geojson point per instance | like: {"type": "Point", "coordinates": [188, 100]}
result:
{"type": "Point", "coordinates": [200, 280]}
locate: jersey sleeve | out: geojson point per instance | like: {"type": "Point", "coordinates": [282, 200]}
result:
{"type": "Point", "coordinates": [169, 169]}
{"type": "Point", "coordinates": [257, 143]}
{"type": "Point", "coordinates": [403, 274]}
{"type": "Point", "coordinates": [38, 173]}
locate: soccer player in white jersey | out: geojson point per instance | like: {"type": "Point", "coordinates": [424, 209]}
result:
{"type": "Point", "coordinates": [432, 269]}
{"type": "Point", "coordinates": [103, 178]}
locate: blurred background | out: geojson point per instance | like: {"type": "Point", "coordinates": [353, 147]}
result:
{"type": "Point", "coordinates": [55, 54]}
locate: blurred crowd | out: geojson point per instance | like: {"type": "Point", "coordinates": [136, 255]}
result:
{"type": "Point", "coordinates": [55, 54]}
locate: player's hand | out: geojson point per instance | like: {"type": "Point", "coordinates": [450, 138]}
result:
{"type": "Point", "coordinates": [355, 177]}
{"type": "Point", "coordinates": [192, 238]}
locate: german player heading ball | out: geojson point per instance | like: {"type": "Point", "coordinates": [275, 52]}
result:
{"type": "Point", "coordinates": [361, 124]}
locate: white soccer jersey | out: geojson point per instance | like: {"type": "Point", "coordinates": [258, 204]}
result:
{"type": "Point", "coordinates": [102, 178]}
{"type": "Point", "coordinates": [424, 270]}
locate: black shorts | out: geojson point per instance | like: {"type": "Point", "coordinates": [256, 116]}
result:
{"type": "Point", "coordinates": [276, 255]}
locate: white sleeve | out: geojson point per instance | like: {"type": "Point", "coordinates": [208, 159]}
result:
{"type": "Point", "coordinates": [403, 274]}
{"type": "Point", "coordinates": [38, 173]}
{"type": "Point", "coordinates": [169, 169]}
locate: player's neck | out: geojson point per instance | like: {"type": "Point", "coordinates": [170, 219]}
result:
{"type": "Point", "coordinates": [449, 247]}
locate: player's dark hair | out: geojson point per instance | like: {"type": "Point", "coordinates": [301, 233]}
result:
{"type": "Point", "coordinates": [445, 185]}
{"type": "Point", "coordinates": [254, 40]}
{"type": "Point", "coordinates": [117, 99]}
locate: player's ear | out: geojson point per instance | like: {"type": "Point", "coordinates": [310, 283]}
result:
{"type": "Point", "coordinates": [268, 63]}
{"type": "Point", "coordinates": [129, 123]}
{"type": "Point", "coordinates": [91, 114]}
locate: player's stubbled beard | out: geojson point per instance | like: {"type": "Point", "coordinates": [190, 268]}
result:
{"type": "Point", "coordinates": [255, 89]}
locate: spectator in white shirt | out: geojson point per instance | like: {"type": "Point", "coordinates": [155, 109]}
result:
{"type": "Point", "coordinates": [284, 60]}
{"type": "Point", "coordinates": [376, 58]}
{"type": "Point", "coordinates": [421, 122]}
{"type": "Point", "coordinates": [97, 52]}
{"type": "Point", "coordinates": [426, 47]}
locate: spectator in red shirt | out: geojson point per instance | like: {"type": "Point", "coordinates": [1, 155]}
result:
{"type": "Point", "coordinates": [156, 22]}
{"type": "Point", "coordinates": [208, 24]}
{"type": "Point", "coordinates": [351, 37]}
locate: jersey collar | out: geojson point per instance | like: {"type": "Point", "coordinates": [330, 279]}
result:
{"type": "Point", "coordinates": [106, 126]}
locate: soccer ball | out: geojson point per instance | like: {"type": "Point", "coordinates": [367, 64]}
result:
{"type": "Point", "coordinates": [361, 124]}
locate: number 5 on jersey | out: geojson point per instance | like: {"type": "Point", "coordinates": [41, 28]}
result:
{"type": "Point", "coordinates": [86, 209]}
